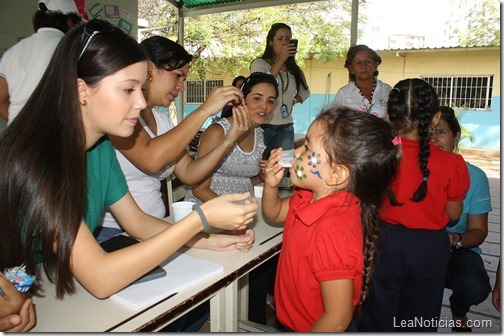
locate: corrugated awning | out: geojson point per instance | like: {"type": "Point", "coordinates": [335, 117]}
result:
{"type": "Point", "coordinates": [202, 7]}
{"type": "Point", "coordinates": [199, 3]}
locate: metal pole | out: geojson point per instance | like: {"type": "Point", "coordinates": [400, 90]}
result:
{"type": "Point", "coordinates": [354, 22]}
{"type": "Point", "coordinates": [179, 102]}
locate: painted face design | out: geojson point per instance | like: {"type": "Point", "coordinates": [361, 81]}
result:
{"type": "Point", "coordinates": [314, 161]}
{"type": "Point", "coordinates": [300, 170]}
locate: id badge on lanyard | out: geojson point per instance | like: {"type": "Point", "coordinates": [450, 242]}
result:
{"type": "Point", "coordinates": [285, 111]}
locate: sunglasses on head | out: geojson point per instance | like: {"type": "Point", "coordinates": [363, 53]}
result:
{"type": "Point", "coordinates": [91, 29]}
{"type": "Point", "coordinates": [260, 77]}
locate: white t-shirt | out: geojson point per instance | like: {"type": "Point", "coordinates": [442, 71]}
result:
{"type": "Point", "coordinates": [145, 189]}
{"type": "Point", "coordinates": [287, 91]}
{"type": "Point", "coordinates": [349, 96]}
{"type": "Point", "coordinates": [24, 63]}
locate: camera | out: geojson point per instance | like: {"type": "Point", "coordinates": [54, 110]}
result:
{"type": "Point", "coordinates": [294, 42]}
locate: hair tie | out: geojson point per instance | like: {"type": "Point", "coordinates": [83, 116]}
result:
{"type": "Point", "coordinates": [206, 227]}
{"type": "Point", "coordinates": [398, 90]}
{"type": "Point", "coordinates": [396, 141]}
{"type": "Point", "coordinates": [425, 178]}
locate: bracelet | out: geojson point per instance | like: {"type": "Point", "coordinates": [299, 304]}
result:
{"type": "Point", "coordinates": [197, 208]}
{"type": "Point", "coordinates": [460, 241]}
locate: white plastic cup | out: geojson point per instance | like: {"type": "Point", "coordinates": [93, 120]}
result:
{"type": "Point", "coordinates": [181, 209]}
{"type": "Point", "coordinates": [287, 158]}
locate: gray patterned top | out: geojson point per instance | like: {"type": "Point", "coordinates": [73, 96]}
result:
{"type": "Point", "coordinates": [234, 173]}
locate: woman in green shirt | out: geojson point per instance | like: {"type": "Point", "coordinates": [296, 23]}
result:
{"type": "Point", "coordinates": [58, 171]}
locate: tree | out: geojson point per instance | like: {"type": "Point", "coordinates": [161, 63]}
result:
{"type": "Point", "coordinates": [231, 40]}
{"type": "Point", "coordinates": [482, 25]}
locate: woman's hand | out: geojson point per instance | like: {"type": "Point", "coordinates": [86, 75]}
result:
{"type": "Point", "coordinates": [17, 313]}
{"type": "Point", "coordinates": [230, 211]}
{"type": "Point", "coordinates": [241, 124]}
{"type": "Point", "coordinates": [286, 51]}
{"type": "Point", "coordinates": [219, 97]}
{"type": "Point", "coordinates": [273, 172]}
{"type": "Point", "coordinates": [241, 240]}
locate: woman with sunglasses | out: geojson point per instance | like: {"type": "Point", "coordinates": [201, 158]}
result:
{"type": "Point", "coordinates": [156, 149]}
{"type": "Point", "coordinates": [278, 60]}
{"type": "Point", "coordinates": [233, 173]}
{"type": "Point", "coordinates": [58, 171]}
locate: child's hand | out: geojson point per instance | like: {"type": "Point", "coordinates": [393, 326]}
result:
{"type": "Point", "coordinates": [241, 240]}
{"type": "Point", "coordinates": [273, 172]}
{"type": "Point", "coordinates": [17, 313]}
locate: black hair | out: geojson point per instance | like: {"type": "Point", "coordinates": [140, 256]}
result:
{"type": "Point", "coordinates": [237, 79]}
{"type": "Point", "coordinates": [44, 18]}
{"type": "Point", "coordinates": [448, 115]}
{"type": "Point", "coordinates": [291, 64]}
{"type": "Point", "coordinates": [362, 143]}
{"type": "Point", "coordinates": [165, 53]}
{"type": "Point", "coordinates": [412, 105]}
{"type": "Point", "coordinates": [257, 78]}
{"type": "Point", "coordinates": [43, 151]}
{"type": "Point", "coordinates": [248, 84]}
{"type": "Point", "coordinates": [351, 55]}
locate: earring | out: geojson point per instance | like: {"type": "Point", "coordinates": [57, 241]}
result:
{"type": "Point", "coordinates": [432, 130]}
{"type": "Point", "coordinates": [149, 78]}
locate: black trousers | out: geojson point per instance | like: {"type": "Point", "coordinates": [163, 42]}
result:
{"type": "Point", "coordinates": [406, 291]}
{"type": "Point", "coordinates": [468, 280]}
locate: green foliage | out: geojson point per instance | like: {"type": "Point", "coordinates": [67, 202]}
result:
{"type": "Point", "coordinates": [483, 21]}
{"type": "Point", "coordinates": [231, 40]}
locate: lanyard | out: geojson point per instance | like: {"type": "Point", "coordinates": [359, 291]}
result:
{"type": "Point", "coordinates": [285, 84]}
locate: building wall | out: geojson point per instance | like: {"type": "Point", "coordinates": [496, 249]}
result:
{"type": "Point", "coordinates": [325, 79]}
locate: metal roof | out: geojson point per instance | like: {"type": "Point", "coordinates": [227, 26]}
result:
{"type": "Point", "coordinates": [202, 7]}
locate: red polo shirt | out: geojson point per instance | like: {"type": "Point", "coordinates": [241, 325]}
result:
{"type": "Point", "coordinates": [448, 181]}
{"type": "Point", "coordinates": [322, 241]}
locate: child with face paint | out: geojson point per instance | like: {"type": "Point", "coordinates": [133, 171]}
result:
{"type": "Point", "coordinates": [341, 174]}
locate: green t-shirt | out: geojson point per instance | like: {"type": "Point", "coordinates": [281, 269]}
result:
{"type": "Point", "coordinates": [105, 184]}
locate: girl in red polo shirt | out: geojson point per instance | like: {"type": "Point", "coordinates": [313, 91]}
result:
{"type": "Point", "coordinates": [341, 174]}
{"type": "Point", "coordinates": [414, 248]}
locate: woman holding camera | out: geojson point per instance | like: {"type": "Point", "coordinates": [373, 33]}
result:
{"type": "Point", "coordinates": [278, 60]}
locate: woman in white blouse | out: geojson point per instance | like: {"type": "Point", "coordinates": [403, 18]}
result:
{"type": "Point", "coordinates": [365, 92]}
{"type": "Point", "coordinates": [278, 60]}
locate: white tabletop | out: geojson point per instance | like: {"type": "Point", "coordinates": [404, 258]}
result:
{"type": "Point", "coordinates": [82, 312]}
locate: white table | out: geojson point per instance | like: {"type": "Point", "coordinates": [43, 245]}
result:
{"type": "Point", "coordinates": [82, 312]}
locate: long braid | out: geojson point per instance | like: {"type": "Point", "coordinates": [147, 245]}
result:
{"type": "Point", "coordinates": [423, 156]}
{"type": "Point", "coordinates": [369, 215]}
{"type": "Point", "coordinates": [424, 104]}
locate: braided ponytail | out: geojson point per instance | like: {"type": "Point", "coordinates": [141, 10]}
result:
{"type": "Point", "coordinates": [412, 105]}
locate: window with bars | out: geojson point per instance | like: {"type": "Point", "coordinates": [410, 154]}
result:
{"type": "Point", "coordinates": [198, 90]}
{"type": "Point", "coordinates": [464, 92]}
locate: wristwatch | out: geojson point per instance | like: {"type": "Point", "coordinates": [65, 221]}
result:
{"type": "Point", "coordinates": [460, 242]}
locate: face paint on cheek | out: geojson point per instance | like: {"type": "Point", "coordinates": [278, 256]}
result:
{"type": "Point", "coordinates": [299, 170]}
{"type": "Point", "coordinates": [314, 161]}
